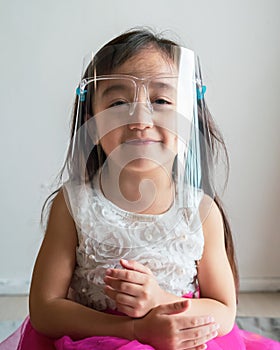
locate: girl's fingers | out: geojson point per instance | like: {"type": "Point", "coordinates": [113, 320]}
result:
{"type": "Point", "coordinates": [174, 308]}
{"type": "Point", "coordinates": [125, 299]}
{"type": "Point", "coordinates": [187, 323]}
{"type": "Point", "coordinates": [110, 292]}
{"type": "Point", "coordinates": [199, 332]}
{"type": "Point", "coordinates": [136, 266]}
{"type": "Point", "coordinates": [127, 310]}
{"type": "Point", "coordinates": [126, 304]}
{"type": "Point", "coordinates": [123, 286]}
{"type": "Point", "coordinates": [121, 298]}
{"type": "Point", "coordinates": [127, 275]}
{"type": "Point", "coordinates": [200, 341]}
{"type": "Point", "coordinates": [199, 347]}
{"type": "Point", "coordinates": [194, 343]}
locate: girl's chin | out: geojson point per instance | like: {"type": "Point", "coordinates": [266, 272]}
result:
{"type": "Point", "coordinates": [141, 161]}
{"type": "Point", "coordinates": [146, 165]}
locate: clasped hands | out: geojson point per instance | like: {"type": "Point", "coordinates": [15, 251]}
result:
{"type": "Point", "coordinates": [160, 319]}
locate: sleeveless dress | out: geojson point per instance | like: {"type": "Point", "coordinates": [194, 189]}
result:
{"type": "Point", "coordinates": [170, 244]}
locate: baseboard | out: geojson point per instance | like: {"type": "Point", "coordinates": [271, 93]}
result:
{"type": "Point", "coordinates": [14, 287]}
{"type": "Point", "coordinates": [265, 284]}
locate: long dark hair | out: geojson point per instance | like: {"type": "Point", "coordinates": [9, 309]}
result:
{"type": "Point", "coordinates": [132, 42]}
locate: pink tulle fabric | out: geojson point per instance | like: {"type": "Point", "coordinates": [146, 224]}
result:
{"type": "Point", "coordinates": [27, 338]}
{"type": "Point", "coordinates": [235, 340]}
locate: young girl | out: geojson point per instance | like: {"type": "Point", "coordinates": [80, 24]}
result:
{"type": "Point", "coordinates": [138, 252]}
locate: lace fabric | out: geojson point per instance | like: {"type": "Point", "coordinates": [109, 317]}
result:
{"type": "Point", "coordinates": [170, 244]}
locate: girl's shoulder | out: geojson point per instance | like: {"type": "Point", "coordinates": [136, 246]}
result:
{"type": "Point", "coordinates": [59, 203]}
{"type": "Point", "coordinates": [211, 219]}
{"type": "Point", "coordinates": [60, 218]}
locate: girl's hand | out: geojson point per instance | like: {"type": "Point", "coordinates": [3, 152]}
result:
{"type": "Point", "coordinates": [134, 288]}
{"type": "Point", "coordinates": [167, 327]}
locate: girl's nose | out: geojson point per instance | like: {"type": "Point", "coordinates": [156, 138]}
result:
{"type": "Point", "coordinates": [141, 118]}
{"type": "Point", "coordinates": [141, 110]}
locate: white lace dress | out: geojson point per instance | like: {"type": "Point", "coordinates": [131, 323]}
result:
{"type": "Point", "coordinates": [165, 243]}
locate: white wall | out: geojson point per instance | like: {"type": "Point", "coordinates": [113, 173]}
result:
{"type": "Point", "coordinates": [42, 44]}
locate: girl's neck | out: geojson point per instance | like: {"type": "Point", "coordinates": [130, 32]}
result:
{"type": "Point", "coordinates": [136, 191]}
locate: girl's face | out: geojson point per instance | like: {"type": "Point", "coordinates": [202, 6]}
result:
{"type": "Point", "coordinates": [139, 139]}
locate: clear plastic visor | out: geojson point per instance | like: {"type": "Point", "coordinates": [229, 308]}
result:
{"type": "Point", "coordinates": [142, 116]}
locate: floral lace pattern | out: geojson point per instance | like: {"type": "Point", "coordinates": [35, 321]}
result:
{"type": "Point", "coordinates": [167, 243]}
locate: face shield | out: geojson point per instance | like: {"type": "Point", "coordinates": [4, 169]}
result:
{"type": "Point", "coordinates": [139, 113]}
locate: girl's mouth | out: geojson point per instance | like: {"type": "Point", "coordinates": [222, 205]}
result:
{"type": "Point", "coordinates": [141, 142]}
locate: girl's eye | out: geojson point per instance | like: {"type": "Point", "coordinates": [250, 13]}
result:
{"type": "Point", "coordinates": [117, 103]}
{"type": "Point", "coordinates": [161, 101]}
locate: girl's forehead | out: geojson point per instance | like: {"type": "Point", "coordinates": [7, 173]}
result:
{"type": "Point", "coordinates": [147, 62]}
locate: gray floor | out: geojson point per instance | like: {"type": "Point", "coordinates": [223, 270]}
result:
{"type": "Point", "coordinates": [259, 305]}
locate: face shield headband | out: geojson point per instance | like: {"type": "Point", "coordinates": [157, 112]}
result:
{"type": "Point", "coordinates": [165, 102]}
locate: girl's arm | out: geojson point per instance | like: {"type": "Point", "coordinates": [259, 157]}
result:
{"type": "Point", "coordinates": [216, 283]}
{"type": "Point", "coordinates": [50, 311]}
{"type": "Point", "coordinates": [52, 314]}
{"type": "Point", "coordinates": [215, 278]}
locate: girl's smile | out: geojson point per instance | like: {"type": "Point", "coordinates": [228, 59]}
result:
{"type": "Point", "coordinates": [141, 142]}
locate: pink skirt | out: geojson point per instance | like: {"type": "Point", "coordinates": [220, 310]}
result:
{"type": "Point", "coordinates": [27, 338]}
